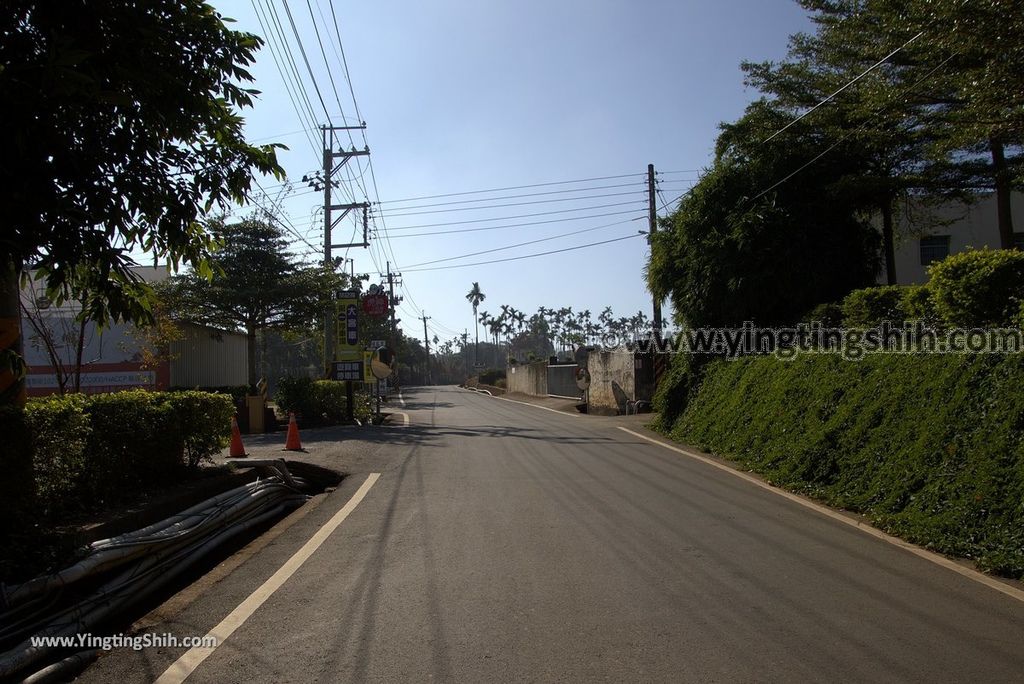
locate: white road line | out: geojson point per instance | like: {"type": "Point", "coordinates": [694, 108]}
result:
{"type": "Point", "coordinates": [401, 399]}
{"type": "Point", "coordinates": [190, 660]}
{"type": "Point", "coordinates": [405, 418]}
{"type": "Point", "coordinates": [544, 408]}
{"type": "Point", "coordinates": [981, 578]}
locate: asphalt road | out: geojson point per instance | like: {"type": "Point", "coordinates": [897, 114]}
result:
{"type": "Point", "coordinates": [505, 542]}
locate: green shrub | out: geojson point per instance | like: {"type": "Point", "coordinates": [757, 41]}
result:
{"type": "Point", "coordinates": [979, 288]}
{"type": "Point", "coordinates": [203, 420]}
{"type": "Point", "coordinates": [96, 449]}
{"type": "Point", "coordinates": [135, 443]}
{"type": "Point", "coordinates": [919, 305]}
{"type": "Point", "coordinates": [931, 447]}
{"type": "Point", "coordinates": [236, 392]}
{"type": "Point", "coordinates": [491, 376]}
{"type": "Point", "coordinates": [677, 387]}
{"type": "Point", "coordinates": [319, 402]}
{"type": "Point", "coordinates": [295, 395]}
{"type": "Point", "coordinates": [17, 488]}
{"type": "Point", "coordinates": [330, 400]}
{"type": "Point", "coordinates": [869, 306]}
{"type": "Point", "coordinates": [60, 434]}
{"type": "Point", "coordinates": [829, 314]}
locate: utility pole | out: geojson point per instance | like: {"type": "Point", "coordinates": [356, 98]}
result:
{"type": "Point", "coordinates": [331, 166]}
{"type": "Point", "coordinates": [394, 303]}
{"type": "Point", "coordinates": [653, 219]}
{"type": "Point", "coordinates": [426, 343]}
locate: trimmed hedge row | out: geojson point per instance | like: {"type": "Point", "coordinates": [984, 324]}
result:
{"type": "Point", "coordinates": [89, 450]}
{"type": "Point", "coordinates": [975, 289]}
{"type": "Point", "coordinates": [319, 402]}
{"type": "Point", "coordinates": [931, 447]}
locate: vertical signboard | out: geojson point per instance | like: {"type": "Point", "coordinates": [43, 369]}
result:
{"type": "Point", "coordinates": [348, 322]}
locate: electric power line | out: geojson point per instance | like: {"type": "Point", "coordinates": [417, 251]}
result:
{"type": "Point", "coordinates": [523, 244]}
{"type": "Point", "coordinates": [847, 85]}
{"type": "Point", "coordinates": [525, 256]}
{"type": "Point", "coordinates": [511, 225]}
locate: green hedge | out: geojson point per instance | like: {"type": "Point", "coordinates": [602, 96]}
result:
{"type": "Point", "coordinates": [979, 288]}
{"type": "Point", "coordinates": [974, 289]}
{"type": "Point", "coordinates": [92, 450]}
{"type": "Point", "coordinates": [318, 402]}
{"type": "Point", "coordinates": [868, 307]}
{"type": "Point", "coordinates": [491, 376]}
{"type": "Point", "coordinates": [930, 447]}
{"type": "Point", "coordinates": [17, 486]}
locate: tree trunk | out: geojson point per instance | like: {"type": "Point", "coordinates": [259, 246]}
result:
{"type": "Point", "coordinates": [476, 325]}
{"type": "Point", "coordinates": [12, 377]}
{"type": "Point", "coordinates": [888, 241]}
{"type": "Point", "coordinates": [1003, 191]}
{"type": "Point", "coordinates": [250, 339]}
{"type": "Point", "coordinates": [79, 350]}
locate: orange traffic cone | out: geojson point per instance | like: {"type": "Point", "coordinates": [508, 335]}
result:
{"type": "Point", "coordinates": [293, 443]}
{"type": "Point", "coordinates": [237, 448]}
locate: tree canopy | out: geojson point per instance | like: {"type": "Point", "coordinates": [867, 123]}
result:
{"type": "Point", "coordinates": [886, 99]}
{"type": "Point", "coordinates": [122, 128]}
{"type": "Point", "coordinates": [255, 286]}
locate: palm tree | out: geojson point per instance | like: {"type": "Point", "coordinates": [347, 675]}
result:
{"type": "Point", "coordinates": [475, 296]}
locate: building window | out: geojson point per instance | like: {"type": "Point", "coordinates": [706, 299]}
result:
{"type": "Point", "coordinates": [934, 248]}
{"type": "Point", "coordinates": [1018, 241]}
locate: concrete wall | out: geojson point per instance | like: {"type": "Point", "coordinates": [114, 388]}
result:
{"type": "Point", "coordinates": [968, 226]}
{"type": "Point", "coordinates": [528, 378]}
{"type": "Point", "coordinates": [612, 382]}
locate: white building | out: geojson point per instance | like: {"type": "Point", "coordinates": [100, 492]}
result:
{"type": "Point", "coordinates": [925, 235]}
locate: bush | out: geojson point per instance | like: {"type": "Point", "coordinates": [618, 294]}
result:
{"type": "Point", "coordinates": [319, 402]}
{"type": "Point", "coordinates": [869, 306]}
{"type": "Point", "coordinates": [91, 450]}
{"type": "Point", "coordinates": [491, 376]}
{"type": "Point", "coordinates": [331, 403]}
{"type": "Point", "coordinates": [236, 392]}
{"type": "Point", "coordinates": [919, 305]}
{"type": "Point", "coordinates": [135, 443]}
{"type": "Point", "coordinates": [677, 387]}
{"type": "Point", "coordinates": [295, 395]}
{"type": "Point", "coordinates": [830, 315]}
{"type": "Point", "coordinates": [931, 447]}
{"type": "Point", "coordinates": [980, 288]}
{"type": "Point", "coordinates": [60, 435]}
{"type": "Point", "coordinates": [203, 421]}
{"type": "Point", "coordinates": [17, 490]}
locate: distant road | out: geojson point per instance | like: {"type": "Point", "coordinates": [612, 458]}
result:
{"type": "Point", "coordinates": [503, 542]}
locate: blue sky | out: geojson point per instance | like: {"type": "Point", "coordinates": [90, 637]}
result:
{"type": "Point", "coordinates": [461, 96]}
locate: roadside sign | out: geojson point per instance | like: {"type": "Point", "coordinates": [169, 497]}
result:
{"type": "Point", "coordinates": [375, 305]}
{"type": "Point", "coordinates": [348, 370]}
{"type": "Point", "coordinates": [351, 325]}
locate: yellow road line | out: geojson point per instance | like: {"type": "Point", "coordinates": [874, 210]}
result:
{"type": "Point", "coordinates": [190, 660]}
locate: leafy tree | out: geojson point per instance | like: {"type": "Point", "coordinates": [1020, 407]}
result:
{"type": "Point", "coordinates": [475, 296]}
{"type": "Point", "coordinates": [953, 81]}
{"type": "Point", "coordinates": [122, 117]}
{"type": "Point", "coordinates": [256, 286]}
{"type": "Point", "coordinates": [741, 246]}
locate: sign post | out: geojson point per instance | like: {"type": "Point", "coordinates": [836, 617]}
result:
{"type": "Point", "coordinates": [349, 363]}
